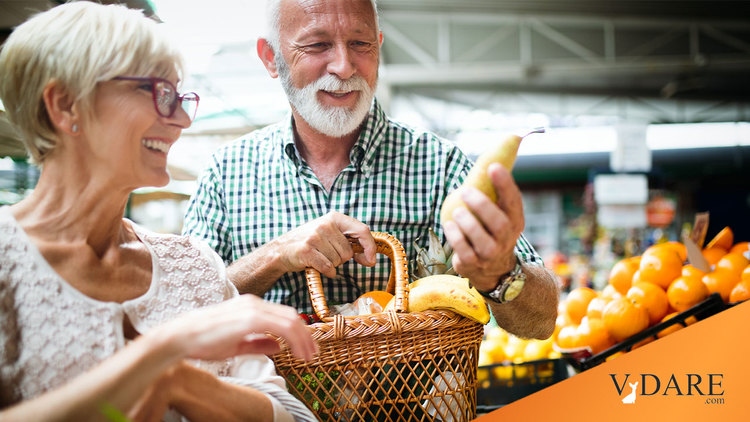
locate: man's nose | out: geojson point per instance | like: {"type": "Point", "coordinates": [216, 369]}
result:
{"type": "Point", "coordinates": [341, 62]}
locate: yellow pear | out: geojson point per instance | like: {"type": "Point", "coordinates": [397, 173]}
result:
{"type": "Point", "coordinates": [504, 153]}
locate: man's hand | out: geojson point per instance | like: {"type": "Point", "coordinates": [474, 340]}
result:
{"type": "Point", "coordinates": [483, 244]}
{"type": "Point", "coordinates": [323, 244]}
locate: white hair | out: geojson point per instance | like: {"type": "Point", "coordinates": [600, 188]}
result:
{"type": "Point", "coordinates": [273, 17]}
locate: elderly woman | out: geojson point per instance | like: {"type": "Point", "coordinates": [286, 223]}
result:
{"type": "Point", "coordinates": [89, 301]}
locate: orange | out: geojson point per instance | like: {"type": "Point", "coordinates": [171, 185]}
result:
{"type": "Point", "coordinates": [596, 307]}
{"type": "Point", "coordinates": [624, 318]}
{"type": "Point", "coordinates": [686, 292]}
{"type": "Point", "coordinates": [674, 327]}
{"type": "Point", "coordinates": [690, 271]}
{"type": "Point", "coordinates": [745, 275]}
{"type": "Point", "coordinates": [593, 333]}
{"type": "Point", "coordinates": [673, 245]}
{"type": "Point", "coordinates": [375, 301]}
{"type": "Point", "coordinates": [740, 292]}
{"type": "Point", "coordinates": [713, 254]}
{"type": "Point", "coordinates": [740, 247]}
{"type": "Point", "coordinates": [621, 274]}
{"type": "Point", "coordinates": [660, 266]}
{"type": "Point", "coordinates": [567, 338]}
{"type": "Point", "coordinates": [724, 239]}
{"type": "Point", "coordinates": [578, 302]}
{"type": "Point", "coordinates": [609, 292]}
{"type": "Point", "coordinates": [721, 281]}
{"type": "Point", "coordinates": [651, 297]}
{"type": "Point", "coordinates": [734, 262]}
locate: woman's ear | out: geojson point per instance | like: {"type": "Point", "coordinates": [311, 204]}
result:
{"type": "Point", "coordinates": [61, 109]}
{"type": "Point", "coordinates": [265, 52]}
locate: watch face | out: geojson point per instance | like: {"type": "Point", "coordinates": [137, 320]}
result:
{"type": "Point", "coordinates": [513, 290]}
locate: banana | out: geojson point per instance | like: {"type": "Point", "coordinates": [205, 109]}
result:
{"type": "Point", "coordinates": [448, 292]}
{"type": "Point", "coordinates": [504, 153]}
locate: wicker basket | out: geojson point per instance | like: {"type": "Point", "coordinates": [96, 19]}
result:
{"type": "Point", "coordinates": [390, 366]}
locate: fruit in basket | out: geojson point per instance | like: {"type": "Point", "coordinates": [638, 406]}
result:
{"type": "Point", "coordinates": [686, 292]}
{"type": "Point", "coordinates": [594, 334]}
{"type": "Point", "coordinates": [724, 239]}
{"type": "Point", "coordinates": [650, 297]}
{"type": "Point", "coordinates": [734, 262]}
{"type": "Point", "coordinates": [596, 307]}
{"type": "Point", "coordinates": [577, 303]}
{"type": "Point", "coordinates": [740, 292]}
{"type": "Point", "coordinates": [372, 302]}
{"type": "Point", "coordinates": [740, 247]}
{"type": "Point", "coordinates": [537, 349]}
{"type": "Point", "coordinates": [713, 254]}
{"type": "Point", "coordinates": [659, 265]}
{"type": "Point", "coordinates": [690, 271]}
{"type": "Point", "coordinates": [672, 328]}
{"type": "Point", "coordinates": [609, 292]}
{"type": "Point", "coordinates": [448, 292]}
{"type": "Point", "coordinates": [624, 318]}
{"type": "Point", "coordinates": [436, 259]}
{"type": "Point", "coordinates": [721, 281]}
{"type": "Point", "coordinates": [504, 153]}
{"type": "Point", "coordinates": [621, 274]}
{"type": "Point", "coordinates": [567, 338]}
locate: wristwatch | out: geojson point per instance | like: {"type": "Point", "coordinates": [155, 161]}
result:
{"type": "Point", "coordinates": [509, 286]}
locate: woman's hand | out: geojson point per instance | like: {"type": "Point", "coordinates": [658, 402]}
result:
{"type": "Point", "coordinates": [236, 327]}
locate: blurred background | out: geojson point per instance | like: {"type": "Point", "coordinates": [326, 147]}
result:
{"type": "Point", "coordinates": [646, 105]}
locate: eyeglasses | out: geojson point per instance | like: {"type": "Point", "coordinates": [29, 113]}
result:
{"type": "Point", "coordinates": [166, 98]}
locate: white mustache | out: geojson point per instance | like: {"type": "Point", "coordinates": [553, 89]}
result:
{"type": "Point", "coordinates": [332, 83]}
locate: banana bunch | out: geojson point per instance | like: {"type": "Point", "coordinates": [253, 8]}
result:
{"type": "Point", "coordinates": [448, 292]}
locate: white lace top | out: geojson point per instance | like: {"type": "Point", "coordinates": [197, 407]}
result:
{"type": "Point", "coordinates": [51, 332]}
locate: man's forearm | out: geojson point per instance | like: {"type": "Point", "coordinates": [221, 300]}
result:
{"type": "Point", "coordinates": [532, 314]}
{"type": "Point", "coordinates": [257, 271]}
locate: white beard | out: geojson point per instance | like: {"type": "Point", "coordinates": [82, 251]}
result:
{"type": "Point", "coordinates": [331, 121]}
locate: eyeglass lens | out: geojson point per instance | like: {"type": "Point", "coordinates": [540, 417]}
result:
{"type": "Point", "coordinates": [189, 103]}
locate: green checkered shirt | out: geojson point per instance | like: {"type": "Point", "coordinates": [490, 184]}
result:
{"type": "Point", "coordinates": [258, 187]}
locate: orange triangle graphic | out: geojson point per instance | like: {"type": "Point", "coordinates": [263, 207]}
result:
{"type": "Point", "coordinates": [699, 373]}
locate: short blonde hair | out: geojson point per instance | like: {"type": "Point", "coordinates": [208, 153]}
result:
{"type": "Point", "coordinates": [78, 45]}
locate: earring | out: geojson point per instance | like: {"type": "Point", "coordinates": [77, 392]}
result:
{"type": "Point", "coordinates": [74, 128]}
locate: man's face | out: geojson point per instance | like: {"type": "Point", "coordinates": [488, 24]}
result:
{"type": "Point", "coordinates": [328, 61]}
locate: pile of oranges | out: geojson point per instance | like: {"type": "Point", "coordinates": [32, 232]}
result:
{"type": "Point", "coordinates": [645, 290]}
{"type": "Point", "coordinates": [499, 346]}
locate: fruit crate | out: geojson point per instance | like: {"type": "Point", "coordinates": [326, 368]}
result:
{"type": "Point", "coordinates": [503, 383]}
{"type": "Point", "coordinates": [582, 359]}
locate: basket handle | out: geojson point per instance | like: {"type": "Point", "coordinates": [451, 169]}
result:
{"type": "Point", "coordinates": [398, 282]}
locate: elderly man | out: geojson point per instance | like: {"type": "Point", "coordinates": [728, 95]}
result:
{"type": "Point", "coordinates": [289, 196]}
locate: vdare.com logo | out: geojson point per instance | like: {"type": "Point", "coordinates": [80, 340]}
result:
{"type": "Point", "coordinates": [706, 387]}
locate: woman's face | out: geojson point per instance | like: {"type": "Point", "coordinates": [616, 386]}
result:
{"type": "Point", "coordinates": [127, 138]}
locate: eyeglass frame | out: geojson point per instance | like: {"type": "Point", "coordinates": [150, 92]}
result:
{"type": "Point", "coordinates": [178, 99]}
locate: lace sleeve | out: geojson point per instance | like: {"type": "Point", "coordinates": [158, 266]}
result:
{"type": "Point", "coordinates": [216, 261]}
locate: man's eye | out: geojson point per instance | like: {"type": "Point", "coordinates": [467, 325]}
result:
{"type": "Point", "coordinates": [317, 46]}
{"type": "Point", "coordinates": [145, 87]}
{"type": "Point", "coordinates": [361, 45]}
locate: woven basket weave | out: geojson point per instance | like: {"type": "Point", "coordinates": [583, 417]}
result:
{"type": "Point", "coordinates": [390, 366]}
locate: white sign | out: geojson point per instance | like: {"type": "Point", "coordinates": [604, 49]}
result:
{"type": "Point", "coordinates": [631, 152]}
{"type": "Point", "coordinates": [620, 189]}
